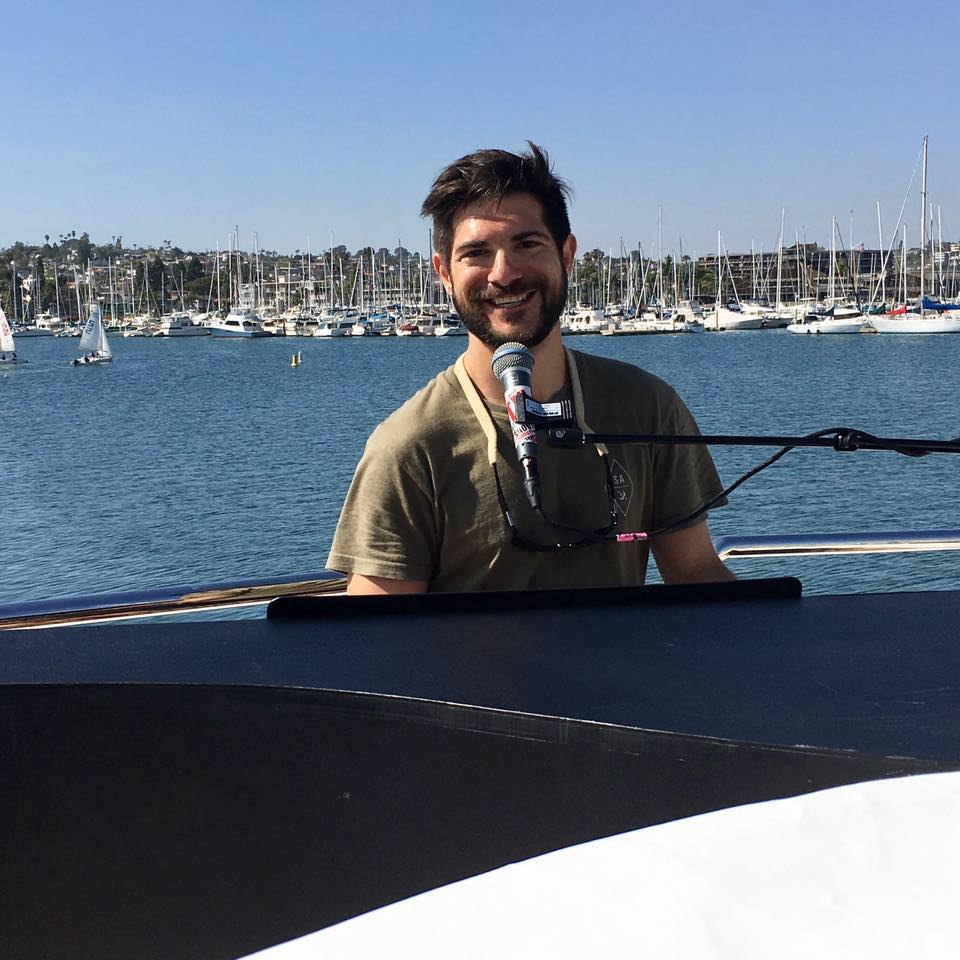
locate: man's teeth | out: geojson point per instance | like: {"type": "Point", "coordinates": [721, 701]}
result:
{"type": "Point", "coordinates": [510, 301]}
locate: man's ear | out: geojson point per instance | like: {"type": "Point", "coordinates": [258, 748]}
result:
{"type": "Point", "coordinates": [569, 252]}
{"type": "Point", "coordinates": [443, 273]}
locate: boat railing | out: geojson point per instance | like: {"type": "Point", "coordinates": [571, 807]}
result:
{"type": "Point", "coordinates": [836, 544]}
{"type": "Point", "coordinates": [165, 601]}
{"type": "Point", "coordinates": [161, 602]}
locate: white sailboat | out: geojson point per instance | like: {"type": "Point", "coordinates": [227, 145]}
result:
{"type": "Point", "coordinates": [723, 317]}
{"type": "Point", "coordinates": [8, 349]}
{"type": "Point", "coordinates": [840, 318]}
{"type": "Point", "coordinates": [93, 340]}
{"type": "Point", "coordinates": [919, 321]}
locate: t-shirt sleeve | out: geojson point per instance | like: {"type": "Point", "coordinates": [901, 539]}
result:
{"type": "Point", "coordinates": [684, 476]}
{"type": "Point", "coordinates": [388, 524]}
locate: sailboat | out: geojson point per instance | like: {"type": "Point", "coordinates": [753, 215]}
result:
{"type": "Point", "coordinates": [839, 318]}
{"type": "Point", "coordinates": [93, 340]}
{"type": "Point", "coordinates": [8, 349]}
{"type": "Point", "coordinates": [921, 320]}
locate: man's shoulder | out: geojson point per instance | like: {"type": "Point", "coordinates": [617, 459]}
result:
{"type": "Point", "coordinates": [616, 376]}
{"type": "Point", "coordinates": [433, 411]}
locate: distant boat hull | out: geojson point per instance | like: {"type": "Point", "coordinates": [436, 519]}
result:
{"type": "Point", "coordinates": [732, 320]}
{"type": "Point", "coordinates": [183, 328]}
{"type": "Point", "coordinates": [915, 323]}
{"type": "Point", "coordinates": [90, 361]}
{"type": "Point", "coordinates": [33, 332]}
{"type": "Point", "coordinates": [239, 323]}
{"type": "Point", "coordinates": [827, 325]}
{"type": "Point", "coordinates": [238, 334]}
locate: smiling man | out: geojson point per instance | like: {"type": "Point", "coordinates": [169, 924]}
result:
{"type": "Point", "coordinates": [437, 501]}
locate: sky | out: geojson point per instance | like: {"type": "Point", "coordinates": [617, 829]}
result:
{"type": "Point", "coordinates": [180, 120]}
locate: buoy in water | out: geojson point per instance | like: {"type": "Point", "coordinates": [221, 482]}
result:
{"type": "Point", "coordinates": [295, 360]}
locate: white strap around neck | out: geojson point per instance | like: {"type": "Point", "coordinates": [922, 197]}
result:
{"type": "Point", "coordinates": [485, 420]}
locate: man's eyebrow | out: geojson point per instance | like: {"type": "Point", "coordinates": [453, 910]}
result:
{"type": "Point", "coordinates": [472, 245]}
{"type": "Point", "coordinates": [530, 233]}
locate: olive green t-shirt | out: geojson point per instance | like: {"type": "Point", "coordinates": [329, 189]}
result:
{"type": "Point", "coordinates": [423, 502]}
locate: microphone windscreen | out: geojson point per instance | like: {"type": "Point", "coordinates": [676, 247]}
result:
{"type": "Point", "coordinates": [511, 355]}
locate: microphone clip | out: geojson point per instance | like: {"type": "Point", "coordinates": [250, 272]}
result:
{"type": "Point", "coordinates": [527, 410]}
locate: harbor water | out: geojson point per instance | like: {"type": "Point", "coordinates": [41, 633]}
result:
{"type": "Point", "coordinates": [195, 460]}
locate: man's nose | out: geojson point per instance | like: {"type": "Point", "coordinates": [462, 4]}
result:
{"type": "Point", "coordinates": [504, 270]}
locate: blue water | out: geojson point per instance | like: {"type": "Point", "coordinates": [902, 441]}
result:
{"type": "Point", "coordinates": [195, 460]}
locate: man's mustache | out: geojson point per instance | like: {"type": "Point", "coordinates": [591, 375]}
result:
{"type": "Point", "coordinates": [514, 289]}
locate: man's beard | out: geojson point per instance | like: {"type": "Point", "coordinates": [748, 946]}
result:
{"type": "Point", "coordinates": [472, 313]}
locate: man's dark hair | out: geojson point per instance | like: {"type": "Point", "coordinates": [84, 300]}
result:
{"type": "Point", "coordinates": [487, 176]}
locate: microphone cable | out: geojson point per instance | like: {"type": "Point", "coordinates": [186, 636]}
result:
{"type": "Point", "coordinates": [846, 439]}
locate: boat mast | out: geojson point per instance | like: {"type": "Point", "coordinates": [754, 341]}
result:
{"type": "Point", "coordinates": [883, 265]}
{"type": "Point", "coordinates": [113, 299]}
{"type": "Point", "coordinates": [941, 291]}
{"type": "Point", "coordinates": [330, 277]}
{"type": "Point", "coordinates": [851, 269]}
{"type": "Point", "coordinates": [76, 285]}
{"type": "Point", "coordinates": [257, 276]}
{"type": "Point", "coordinates": [677, 261]}
{"type": "Point", "coordinates": [903, 257]}
{"type": "Point", "coordinates": [923, 219]}
{"type": "Point", "coordinates": [831, 288]}
{"type": "Point", "coordinates": [800, 291]}
{"type": "Point", "coordinates": [13, 290]}
{"type": "Point", "coordinates": [660, 251]}
{"type": "Point", "coordinates": [783, 212]}
{"type": "Point", "coordinates": [716, 306]}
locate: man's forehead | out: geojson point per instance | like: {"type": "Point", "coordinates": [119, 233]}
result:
{"type": "Point", "coordinates": [520, 211]}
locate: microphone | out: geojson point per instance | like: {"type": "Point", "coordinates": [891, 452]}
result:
{"type": "Point", "coordinates": [512, 365]}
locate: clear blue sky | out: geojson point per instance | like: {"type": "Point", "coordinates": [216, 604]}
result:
{"type": "Point", "coordinates": [175, 121]}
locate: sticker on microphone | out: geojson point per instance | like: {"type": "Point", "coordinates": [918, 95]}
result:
{"type": "Point", "coordinates": [512, 399]}
{"type": "Point", "coordinates": [523, 433]}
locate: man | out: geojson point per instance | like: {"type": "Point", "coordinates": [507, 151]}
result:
{"type": "Point", "coordinates": [436, 502]}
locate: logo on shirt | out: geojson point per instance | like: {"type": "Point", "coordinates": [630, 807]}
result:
{"type": "Point", "coordinates": [622, 487]}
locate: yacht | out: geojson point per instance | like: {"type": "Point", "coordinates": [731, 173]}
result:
{"type": "Point", "coordinates": [449, 326]}
{"type": "Point", "coordinates": [335, 328]}
{"type": "Point", "coordinates": [408, 328]}
{"type": "Point", "coordinates": [181, 325]}
{"type": "Point", "coordinates": [49, 322]}
{"type": "Point", "coordinates": [839, 318]}
{"type": "Point", "coordinates": [906, 319]}
{"type": "Point", "coordinates": [239, 322]}
{"type": "Point", "coordinates": [725, 318]}
{"type": "Point", "coordinates": [32, 331]}
{"type": "Point", "coordinates": [583, 319]}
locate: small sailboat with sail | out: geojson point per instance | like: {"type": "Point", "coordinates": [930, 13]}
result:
{"type": "Point", "coordinates": [8, 349]}
{"type": "Point", "coordinates": [93, 340]}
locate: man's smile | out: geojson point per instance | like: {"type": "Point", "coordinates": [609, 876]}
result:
{"type": "Point", "coordinates": [510, 300]}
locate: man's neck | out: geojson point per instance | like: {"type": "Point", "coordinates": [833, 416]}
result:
{"type": "Point", "coordinates": [549, 371]}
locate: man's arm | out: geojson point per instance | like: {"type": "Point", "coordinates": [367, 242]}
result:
{"type": "Point", "coordinates": [358, 584]}
{"type": "Point", "coordinates": [687, 556]}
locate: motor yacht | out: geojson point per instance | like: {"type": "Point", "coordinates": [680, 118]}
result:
{"type": "Point", "coordinates": [181, 325]}
{"type": "Point", "coordinates": [239, 322]}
